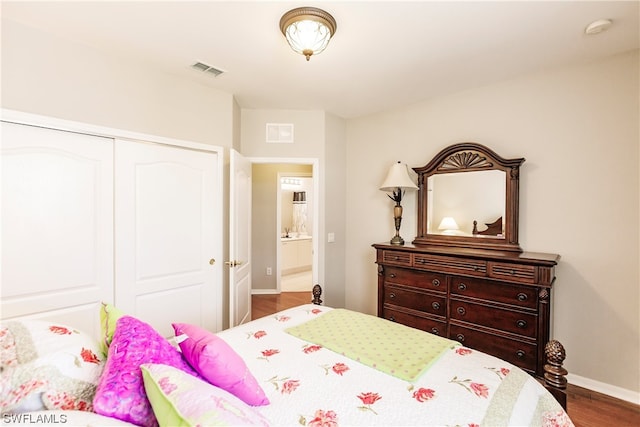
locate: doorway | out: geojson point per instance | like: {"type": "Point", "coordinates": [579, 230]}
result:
{"type": "Point", "coordinates": [295, 220]}
{"type": "Point", "coordinates": [284, 264]}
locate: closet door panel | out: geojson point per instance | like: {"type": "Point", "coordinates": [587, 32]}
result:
{"type": "Point", "coordinates": [57, 223]}
{"type": "Point", "coordinates": [166, 234]}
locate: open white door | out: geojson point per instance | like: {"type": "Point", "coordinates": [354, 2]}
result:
{"type": "Point", "coordinates": [239, 240]}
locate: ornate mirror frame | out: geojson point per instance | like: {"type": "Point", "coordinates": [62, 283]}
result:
{"type": "Point", "coordinates": [471, 157]}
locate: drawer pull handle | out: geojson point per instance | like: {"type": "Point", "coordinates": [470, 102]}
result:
{"type": "Point", "coordinates": [420, 261]}
{"type": "Point", "coordinates": [396, 258]}
{"type": "Point", "coordinates": [475, 268]}
{"type": "Point", "coordinates": [436, 282]}
{"type": "Point", "coordinates": [521, 324]}
{"type": "Point", "coordinates": [393, 319]}
{"type": "Point", "coordinates": [461, 311]}
{"type": "Point", "coordinates": [435, 331]}
{"type": "Point", "coordinates": [392, 275]}
{"type": "Point", "coordinates": [462, 286]}
{"type": "Point", "coordinates": [520, 354]}
{"type": "Point", "coordinates": [513, 272]}
{"type": "Point", "coordinates": [522, 297]}
{"type": "Point", "coordinates": [435, 305]}
{"type": "Point", "coordinates": [392, 295]}
{"type": "Point", "coordinates": [460, 337]}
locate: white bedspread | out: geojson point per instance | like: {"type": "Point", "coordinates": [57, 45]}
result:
{"type": "Point", "coordinates": [311, 385]}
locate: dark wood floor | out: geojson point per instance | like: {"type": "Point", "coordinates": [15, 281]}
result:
{"type": "Point", "coordinates": [585, 407]}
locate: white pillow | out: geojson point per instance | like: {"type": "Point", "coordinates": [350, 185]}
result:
{"type": "Point", "coordinates": [47, 365]}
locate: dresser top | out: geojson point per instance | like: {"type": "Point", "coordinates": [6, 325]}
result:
{"type": "Point", "coordinates": [486, 254]}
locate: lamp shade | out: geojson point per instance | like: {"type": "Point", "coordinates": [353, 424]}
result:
{"type": "Point", "coordinates": [308, 30]}
{"type": "Point", "coordinates": [398, 177]}
{"type": "Point", "coordinates": [448, 223]}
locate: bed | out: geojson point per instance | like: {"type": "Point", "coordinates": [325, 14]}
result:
{"type": "Point", "coordinates": [309, 365]}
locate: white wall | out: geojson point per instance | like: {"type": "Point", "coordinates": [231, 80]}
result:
{"type": "Point", "coordinates": [335, 211]}
{"type": "Point", "coordinates": [320, 136]}
{"type": "Point", "coordinates": [578, 129]}
{"type": "Point", "coordinates": [46, 75]}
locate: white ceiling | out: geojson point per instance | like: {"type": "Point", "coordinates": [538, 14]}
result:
{"type": "Point", "coordinates": [385, 54]}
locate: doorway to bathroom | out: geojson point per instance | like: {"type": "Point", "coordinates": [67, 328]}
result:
{"type": "Point", "coordinates": [296, 202]}
{"type": "Point", "coordinates": [281, 263]}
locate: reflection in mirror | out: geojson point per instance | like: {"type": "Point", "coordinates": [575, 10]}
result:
{"type": "Point", "coordinates": [464, 197]}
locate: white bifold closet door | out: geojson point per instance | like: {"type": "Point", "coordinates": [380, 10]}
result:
{"type": "Point", "coordinates": [57, 224]}
{"type": "Point", "coordinates": [165, 235]}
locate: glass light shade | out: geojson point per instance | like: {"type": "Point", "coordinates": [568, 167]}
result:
{"type": "Point", "coordinates": [308, 37]}
{"type": "Point", "coordinates": [398, 177]}
{"type": "Point", "coordinates": [308, 30]}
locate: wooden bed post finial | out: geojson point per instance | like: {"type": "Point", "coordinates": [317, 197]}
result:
{"type": "Point", "coordinates": [317, 291]}
{"type": "Point", "coordinates": [554, 374]}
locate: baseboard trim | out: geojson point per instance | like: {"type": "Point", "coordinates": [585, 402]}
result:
{"type": "Point", "coordinates": [604, 388]}
{"type": "Point", "coordinates": [264, 292]}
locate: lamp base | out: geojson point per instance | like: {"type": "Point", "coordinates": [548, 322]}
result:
{"type": "Point", "coordinates": [397, 240]}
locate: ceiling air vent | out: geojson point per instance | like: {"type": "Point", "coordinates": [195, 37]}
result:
{"type": "Point", "coordinates": [200, 66]}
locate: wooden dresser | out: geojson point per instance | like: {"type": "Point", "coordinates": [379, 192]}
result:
{"type": "Point", "coordinates": [493, 301]}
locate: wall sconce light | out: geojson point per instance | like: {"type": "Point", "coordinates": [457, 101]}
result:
{"type": "Point", "coordinates": [397, 181]}
{"type": "Point", "coordinates": [448, 225]}
{"type": "Point", "coordinates": [308, 30]}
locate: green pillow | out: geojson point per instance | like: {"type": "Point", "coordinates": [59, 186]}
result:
{"type": "Point", "coordinates": [180, 399]}
{"type": "Point", "coordinates": [109, 315]}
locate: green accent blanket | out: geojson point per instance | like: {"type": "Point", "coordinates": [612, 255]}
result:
{"type": "Point", "coordinates": [389, 347]}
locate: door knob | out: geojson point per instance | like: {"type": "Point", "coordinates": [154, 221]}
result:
{"type": "Point", "coordinates": [233, 263]}
{"type": "Point", "coordinates": [212, 261]}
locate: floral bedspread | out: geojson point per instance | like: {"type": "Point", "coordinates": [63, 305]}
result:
{"type": "Point", "coordinates": [312, 386]}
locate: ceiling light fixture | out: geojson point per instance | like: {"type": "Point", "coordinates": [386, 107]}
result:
{"type": "Point", "coordinates": [596, 27]}
{"type": "Point", "coordinates": [308, 30]}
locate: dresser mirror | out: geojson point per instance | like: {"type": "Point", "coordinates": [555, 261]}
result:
{"type": "Point", "coordinates": [468, 197]}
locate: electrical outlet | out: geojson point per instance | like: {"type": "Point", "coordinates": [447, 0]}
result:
{"type": "Point", "coordinates": [331, 237]}
{"type": "Point", "coordinates": [269, 272]}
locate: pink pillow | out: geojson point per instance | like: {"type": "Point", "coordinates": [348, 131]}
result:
{"type": "Point", "coordinates": [120, 393]}
{"type": "Point", "coordinates": [218, 363]}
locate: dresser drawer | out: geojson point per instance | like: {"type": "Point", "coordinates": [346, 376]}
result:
{"type": "Point", "coordinates": [437, 327]}
{"type": "Point", "coordinates": [451, 264]}
{"type": "Point", "coordinates": [513, 272]}
{"type": "Point", "coordinates": [521, 296]}
{"type": "Point", "coordinates": [397, 257]}
{"type": "Point", "coordinates": [415, 300]}
{"type": "Point", "coordinates": [418, 279]}
{"type": "Point", "coordinates": [519, 353]}
{"type": "Point", "coordinates": [505, 320]}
